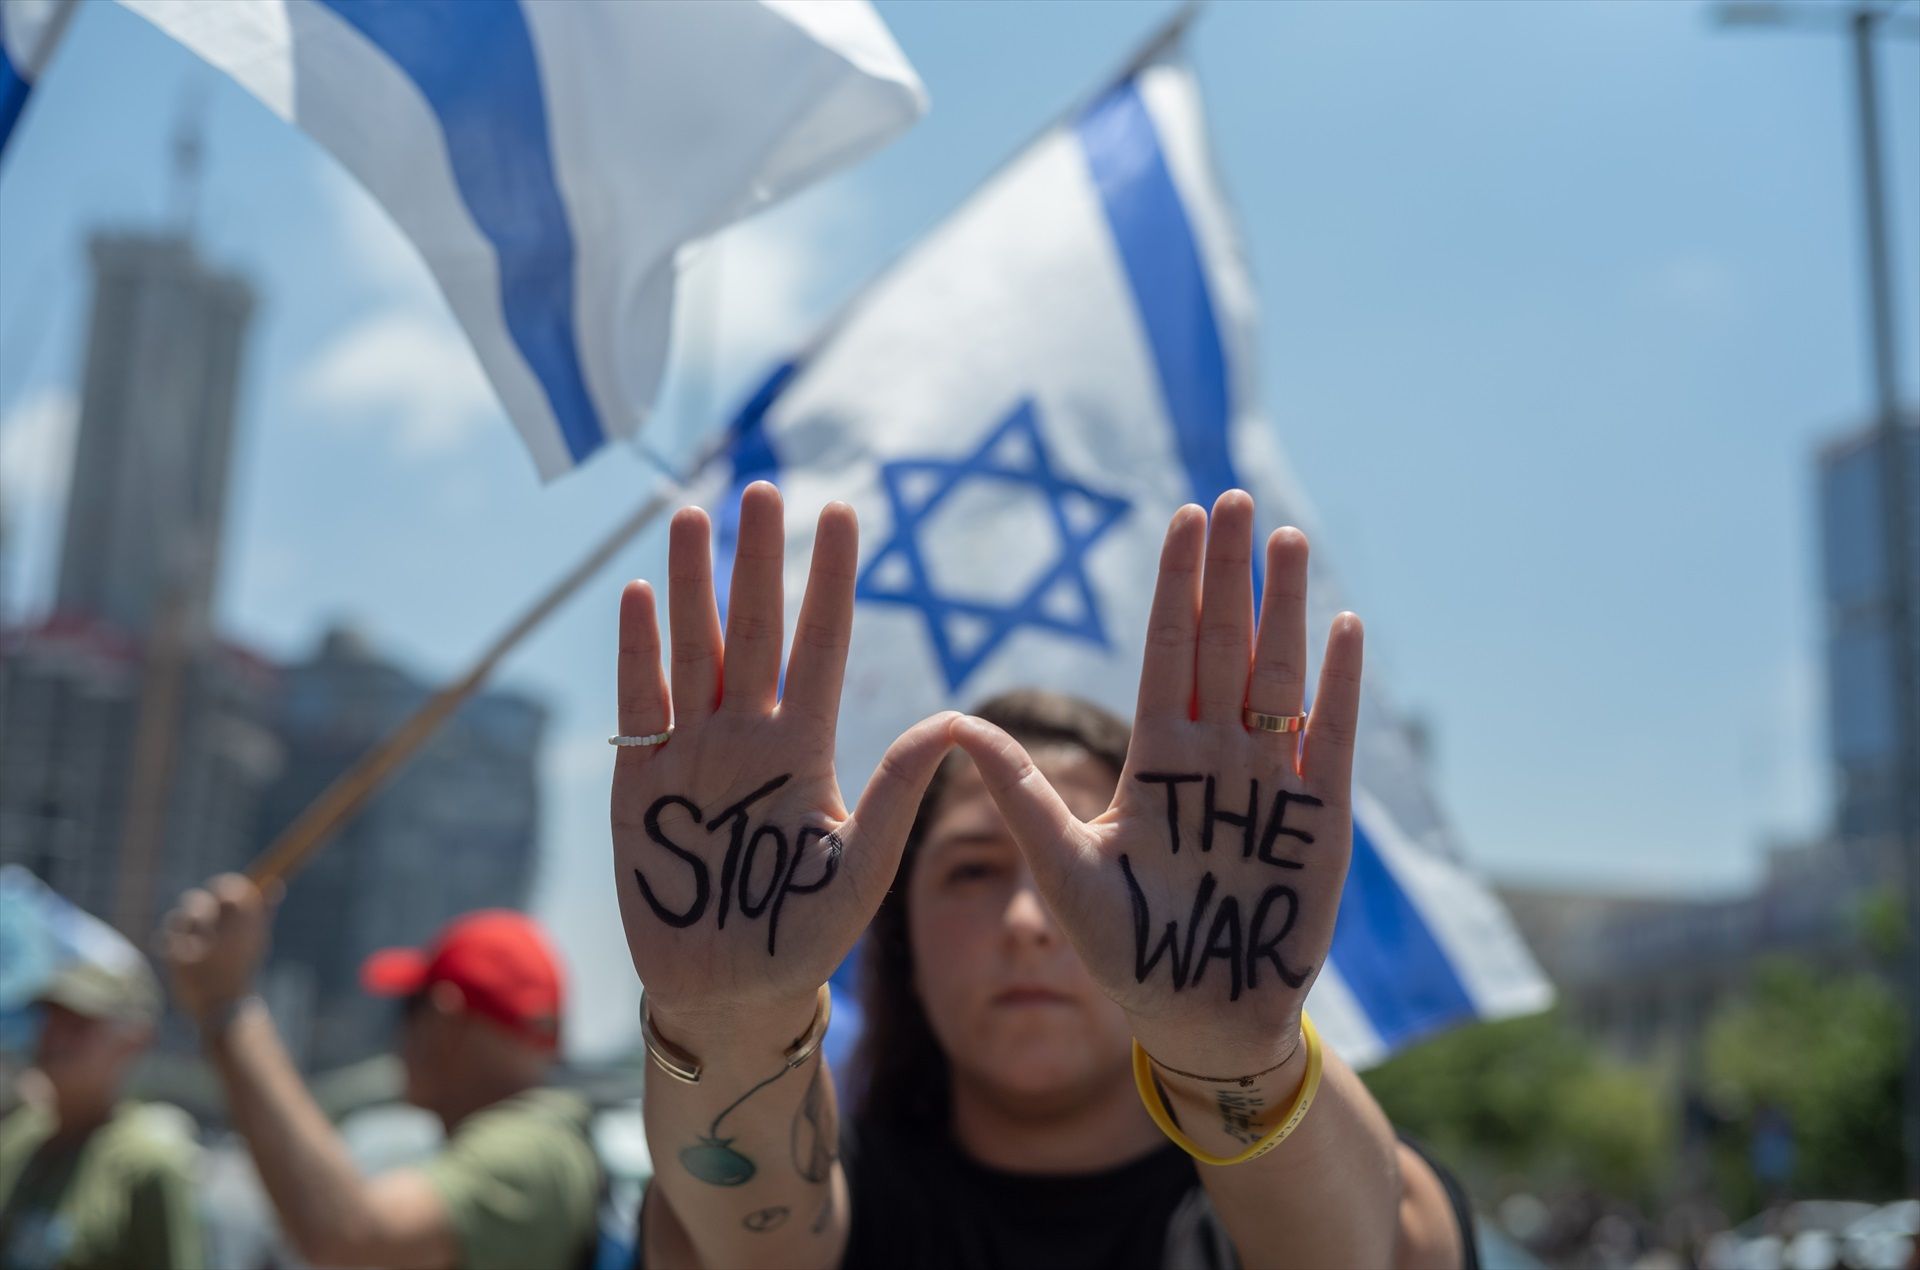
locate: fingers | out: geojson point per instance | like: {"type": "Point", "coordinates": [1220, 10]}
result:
{"type": "Point", "coordinates": [892, 796]}
{"type": "Point", "coordinates": [1166, 668]}
{"type": "Point", "coordinates": [187, 925]}
{"type": "Point", "coordinates": [755, 608]}
{"type": "Point", "coordinates": [694, 616]}
{"type": "Point", "coordinates": [1280, 649]}
{"type": "Point", "coordinates": [818, 662]}
{"type": "Point", "coordinates": [643, 702]}
{"type": "Point", "coordinates": [1040, 820]}
{"type": "Point", "coordinates": [1225, 642]}
{"type": "Point", "coordinates": [1326, 761]}
{"type": "Point", "coordinates": [203, 913]}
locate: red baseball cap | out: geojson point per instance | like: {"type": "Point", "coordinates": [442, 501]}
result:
{"type": "Point", "coordinates": [500, 960]}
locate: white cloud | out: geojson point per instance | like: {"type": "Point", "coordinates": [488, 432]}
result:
{"type": "Point", "coordinates": [36, 449]}
{"type": "Point", "coordinates": [412, 371]}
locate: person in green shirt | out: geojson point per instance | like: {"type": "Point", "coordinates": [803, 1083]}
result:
{"type": "Point", "coordinates": [88, 1180]}
{"type": "Point", "coordinates": [516, 1184]}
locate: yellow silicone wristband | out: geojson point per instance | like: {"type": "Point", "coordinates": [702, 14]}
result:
{"type": "Point", "coordinates": [1296, 1112]}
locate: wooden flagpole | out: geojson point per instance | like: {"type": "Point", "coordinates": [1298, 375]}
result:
{"type": "Point", "coordinates": [349, 791]}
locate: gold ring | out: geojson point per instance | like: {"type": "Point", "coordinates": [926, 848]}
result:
{"type": "Point", "coordinates": [1273, 722]}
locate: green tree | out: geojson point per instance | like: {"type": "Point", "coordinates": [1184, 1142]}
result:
{"type": "Point", "coordinates": [1826, 1051]}
{"type": "Point", "coordinates": [1529, 1096]}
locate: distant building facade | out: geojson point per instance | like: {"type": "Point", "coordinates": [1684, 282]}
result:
{"type": "Point", "coordinates": [455, 830]}
{"type": "Point", "coordinates": [1644, 972]}
{"type": "Point", "coordinates": [141, 754]}
{"type": "Point", "coordinates": [70, 714]}
{"type": "Point", "coordinates": [1857, 600]}
{"type": "Point", "coordinates": [133, 750]}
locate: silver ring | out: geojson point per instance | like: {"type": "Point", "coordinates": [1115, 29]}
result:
{"type": "Point", "coordinates": [658, 738]}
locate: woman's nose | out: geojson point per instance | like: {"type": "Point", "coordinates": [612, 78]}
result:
{"type": "Point", "coordinates": [1027, 917]}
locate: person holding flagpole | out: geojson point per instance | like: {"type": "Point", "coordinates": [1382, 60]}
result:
{"type": "Point", "coordinates": [1108, 942]}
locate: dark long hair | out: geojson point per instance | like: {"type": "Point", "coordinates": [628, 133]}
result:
{"type": "Point", "coordinates": [900, 1074]}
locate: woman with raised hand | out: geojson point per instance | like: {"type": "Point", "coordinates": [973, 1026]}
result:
{"type": "Point", "coordinates": [1086, 1042]}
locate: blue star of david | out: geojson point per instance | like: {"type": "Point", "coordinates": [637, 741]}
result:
{"type": "Point", "coordinates": [964, 630]}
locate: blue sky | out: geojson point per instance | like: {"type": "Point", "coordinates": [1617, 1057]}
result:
{"type": "Point", "coordinates": [1558, 301]}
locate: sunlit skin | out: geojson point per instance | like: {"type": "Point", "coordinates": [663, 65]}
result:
{"type": "Point", "coordinates": [1024, 934]}
{"type": "Point", "coordinates": [1032, 1039]}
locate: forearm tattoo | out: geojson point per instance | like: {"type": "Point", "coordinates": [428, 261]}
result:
{"type": "Point", "coordinates": [714, 1159]}
{"type": "Point", "coordinates": [1246, 945]}
{"type": "Point", "coordinates": [815, 1143]}
{"type": "Point", "coordinates": [760, 891]}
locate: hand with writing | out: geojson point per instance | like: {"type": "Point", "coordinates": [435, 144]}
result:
{"type": "Point", "coordinates": [742, 878]}
{"type": "Point", "coordinates": [1203, 899]}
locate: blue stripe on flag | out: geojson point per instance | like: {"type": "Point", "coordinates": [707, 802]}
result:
{"type": "Point", "coordinates": [1398, 973]}
{"type": "Point", "coordinates": [13, 95]}
{"type": "Point", "coordinates": [474, 62]}
{"type": "Point", "coordinates": [1169, 285]}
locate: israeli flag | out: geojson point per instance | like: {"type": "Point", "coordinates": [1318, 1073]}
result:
{"type": "Point", "coordinates": [30, 30]}
{"type": "Point", "coordinates": [1014, 410]}
{"type": "Point", "coordinates": [548, 160]}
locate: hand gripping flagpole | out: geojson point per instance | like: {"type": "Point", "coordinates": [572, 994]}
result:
{"type": "Point", "coordinates": [341, 800]}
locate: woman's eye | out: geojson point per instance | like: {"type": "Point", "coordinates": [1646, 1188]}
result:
{"type": "Point", "coordinates": [972, 871]}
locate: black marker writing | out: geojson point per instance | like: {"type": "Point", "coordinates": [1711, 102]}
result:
{"type": "Point", "coordinates": [1173, 784]}
{"type": "Point", "coordinates": [759, 870]}
{"type": "Point", "coordinates": [1214, 814]}
{"type": "Point", "coordinates": [1242, 947]}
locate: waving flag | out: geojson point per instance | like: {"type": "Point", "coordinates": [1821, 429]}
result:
{"type": "Point", "coordinates": [29, 32]}
{"type": "Point", "coordinates": [549, 159]}
{"type": "Point", "coordinates": [1015, 409]}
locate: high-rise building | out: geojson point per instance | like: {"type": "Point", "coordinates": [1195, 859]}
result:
{"type": "Point", "coordinates": [70, 707]}
{"type": "Point", "coordinates": [149, 491]}
{"type": "Point", "coordinates": [1862, 702]}
{"type": "Point", "coordinates": [455, 830]}
{"type": "Point", "coordinates": [133, 746]}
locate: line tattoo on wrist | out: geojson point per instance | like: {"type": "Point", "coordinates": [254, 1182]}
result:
{"type": "Point", "coordinates": [747, 844]}
{"type": "Point", "coordinates": [714, 1159]}
{"type": "Point", "coordinates": [816, 1143]}
{"type": "Point", "coordinates": [1240, 1114]}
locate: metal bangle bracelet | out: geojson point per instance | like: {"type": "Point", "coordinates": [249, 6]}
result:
{"type": "Point", "coordinates": [687, 1069]}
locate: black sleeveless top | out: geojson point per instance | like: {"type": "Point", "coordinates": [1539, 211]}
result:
{"type": "Point", "coordinates": [919, 1201]}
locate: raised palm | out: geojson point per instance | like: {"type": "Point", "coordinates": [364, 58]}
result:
{"type": "Point", "coordinates": [741, 876]}
{"type": "Point", "coordinates": [1203, 899]}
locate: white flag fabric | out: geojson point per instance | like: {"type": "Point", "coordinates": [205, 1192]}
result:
{"type": "Point", "coordinates": [42, 931]}
{"type": "Point", "coordinates": [548, 160]}
{"type": "Point", "coordinates": [30, 30]}
{"type": "Point", "coordinates": [1014, 410]}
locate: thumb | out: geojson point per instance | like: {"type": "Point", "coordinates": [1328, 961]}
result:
{"type": "Point", "coordinates": [1041, 821]}
{"type": "Point", "coordinates": [892, 796]}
